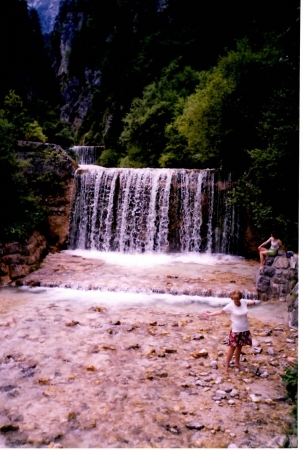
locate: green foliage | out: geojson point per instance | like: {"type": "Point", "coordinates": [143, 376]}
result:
{"type": "Point", "coordinates": [290, 378]}
{"type": "Point", "coordinates": [144, 135]}
{"type": "Point", "coordinates": [22, 212]}
{"type": "Point", "coordinates": [108, 158]}
{"type": "Point", "coordinates": [33, 132]}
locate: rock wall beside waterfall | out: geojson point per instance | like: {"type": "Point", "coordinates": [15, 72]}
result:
{"type": "Point", "coordinates": [278, 276]}
{"type": "Point", "coordinates": [19, 259]}
{"type": "Point", "coordinates": [51, 170]}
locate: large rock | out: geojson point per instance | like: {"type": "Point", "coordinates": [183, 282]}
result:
{"type": "Point", "coordinates": [19, 259]}
{"type": "Point", "coordinates": [278, 276]}
{"type": "Point", "coordinates": [292, 300]}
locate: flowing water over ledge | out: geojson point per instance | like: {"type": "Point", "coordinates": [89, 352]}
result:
{"type": "Point", "coordinates": [194, 274]}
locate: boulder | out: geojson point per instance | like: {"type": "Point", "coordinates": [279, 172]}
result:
{"type": "Point", "coordinates": [292, 300]}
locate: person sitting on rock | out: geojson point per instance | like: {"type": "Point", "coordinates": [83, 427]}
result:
{"type": "Point", "coordinates": [239, 333]}
{"type": "Point", "coordinates": [275, 244]}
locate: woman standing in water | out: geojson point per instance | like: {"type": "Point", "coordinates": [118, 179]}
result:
{"type": "Point", "coordinates": [275, 244]}
{"type": "Point", "coordinates": [239, 334]}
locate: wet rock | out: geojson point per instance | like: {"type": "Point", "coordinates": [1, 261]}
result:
{"type": "Point", "coordinates": [219, 380]}
{"type": "Point", "coordinates": [6, 428]}
{"type": "Point", "coordinates": [258, 350]}
{"type": "Point", "coordinates": [278, 442]}
{"type": "Point", "coordinates": [208, 379]}
{"type": "Point", "coordinates": [172, 429]}
{"type": "Point", "coordinates": [71, 416]}
{"type": "Point", "coordinates": [170, 350]}
{"type": "Point", "coordinates": [197, 337]}
{"type": "Point", "coordinates": [44, 380]}
{"type": "Point", "coordinates": [133, 347]}
{"type": "Point", "coordinates": [202, 353]}
{"type": "Point", "coordinates": [194, 426]}
{"type": "Point", "coordinates": [221, 393]}
{"type": "Point", "coordinates": [73, 323]}
{"type": "Point", "coordinates": [274, 363]}
{"type": "Point", "coordinates": [7, 387]}
{"type": "Point", "coordinates": [99, 309]}
{"type": "Point", "coordinates": [117, 322]}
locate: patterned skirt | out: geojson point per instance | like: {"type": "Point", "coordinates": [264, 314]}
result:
{"type": "Point", "coordinates": [239, 338]}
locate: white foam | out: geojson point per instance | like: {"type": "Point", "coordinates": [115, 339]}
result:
{"type": "Point", "coordinates": [156, 259]}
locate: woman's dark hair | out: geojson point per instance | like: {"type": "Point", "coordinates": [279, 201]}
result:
{"type": "Point", "coordinates": [238, 293]}
{"type": "Point", "coordinates": [275, 234]}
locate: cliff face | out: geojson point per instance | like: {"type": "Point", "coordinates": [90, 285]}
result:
{"type": "Point", "coordinates": [52, 171]}
{"type": "Point", "coordinates": [47, 10]}
{"type": "Point", "coordinates": [76, 90]}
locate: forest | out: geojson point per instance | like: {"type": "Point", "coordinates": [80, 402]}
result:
{"type": "Point", "coordinates": [188, 84]}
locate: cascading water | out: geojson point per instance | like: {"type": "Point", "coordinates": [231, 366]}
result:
{"type": "Point", "coordinates": [86, 154]}
{"type": "Point", "coordinates": [153, 210]}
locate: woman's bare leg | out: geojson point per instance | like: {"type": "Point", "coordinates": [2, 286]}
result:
{"type": "Point", "coordinates": [237, 356]}
{"type": "Point", "coordinates": [229, 355]}
{"type": "Point", "coordinates": [263, 254]}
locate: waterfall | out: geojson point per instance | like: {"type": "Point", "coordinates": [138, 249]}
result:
{"type": "Point", "coordinates": [153, 210]}
{"type": "Point", "coordinates": [86, 154]}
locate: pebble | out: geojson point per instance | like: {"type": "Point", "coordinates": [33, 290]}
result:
{"type": "Point", "coordinates": [203, 352]}
{"type": "Point", "coordinates": [234, 393]}
{"type": "Point", "coordinates": [221, 393]}
{"type": "Point", "coordinates": [264, 374]}
{"type": "Point", "coordinates": [207, 379]}
{"type": "Point", "coordinates": [290, 341]}
{"type": "Point", "coordinates": [255, 398]}
{"type": "Point", "coordinates": [274, 363]}
{"type": "Point", "coordinates": [270, 351]}
{"type": "Point", "coordinates": [219, 380]}
{"type": "Point", "coordinates": [231, 402]}
{"type": "Point", "coordinates": [214, 364]}
{"type": "Point", "coordinates": [197, 337]}
{"type": "Point", "coordinates": [194, 426]}
{"type": "Point", "coordinates": [258, 350]}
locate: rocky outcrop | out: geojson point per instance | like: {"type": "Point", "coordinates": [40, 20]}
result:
{"type": "Point", "coordinates": [18, 260]}
{"type": "Point", "coordinates": [50, 173]}
{"type": "Point", "coordinates": [278, 276]}
{"type": "Point", "coordinates": [47, 10]}
{"type": "Point", "coordinates": [292, 306]}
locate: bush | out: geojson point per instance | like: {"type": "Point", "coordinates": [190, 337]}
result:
{"type": "Point", "coordinates": [290, 378]}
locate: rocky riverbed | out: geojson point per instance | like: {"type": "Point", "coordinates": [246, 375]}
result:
{"type": "Point", "coordinates": [80, 369]}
